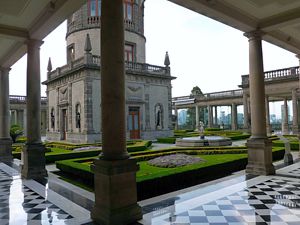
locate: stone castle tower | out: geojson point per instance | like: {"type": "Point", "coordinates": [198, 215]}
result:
{"type": "Point", "coordinates": [87, 21]}
{"type": "Point", "coordinates": [74, 90]}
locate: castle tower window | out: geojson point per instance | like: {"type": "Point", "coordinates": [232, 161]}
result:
{"type": "Point", "coordinates": [129, 53]}
{"type": "Point", "coordinates": [70, 52]}
{"type": "Point", "coordinates": [94, 7]}
{"type": "Point", "coordinates": [128, 9]}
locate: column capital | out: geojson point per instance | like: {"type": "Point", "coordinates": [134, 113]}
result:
{"type": "Point", "coordinates": [4, 69]}
{"type": "Point", "coordinates": [297, 56]}
{"type": "Point", "coordinates": [34, 43]}
{"type": "Point", "coordinates": [254, 35]}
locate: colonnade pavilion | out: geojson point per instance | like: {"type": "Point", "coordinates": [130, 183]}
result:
{"type": "Point", "coordinates": [24, 24]}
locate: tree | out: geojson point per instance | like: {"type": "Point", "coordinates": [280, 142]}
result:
{"type": "Point", "coordinates": [196, 91]}
{"type": "Point", "coordinates": [191, 112]}
{"type": "Point", "coordinates": [15, 132]}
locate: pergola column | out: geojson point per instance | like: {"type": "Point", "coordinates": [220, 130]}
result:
{"type": "Point", "coordinates": [233, 117]}
{"type": "Point", "coordinates": [114, 171]}
{"type": "Point", "coordinates": [285, 118]}
{"type": "Point", "coordinates": [5, 140]}
{"type": "Point", "coordinates": [25, 122]}
{"type": "Point", "coordinates": [216, 116]}
{"type": "Point", "coordinates": [210, 116]}
{"type": "Point", "coordinates": [176, 114]}
{"type": "Point", "coordinates": [33, 154]}
{"type": "Point", "coordinates": [295, 112]}
{"type": "Point", "coordinates": [246, 111]}
{"type": "Point", "coordinates": [259, 146]}
{"type": "Point", "coordinates": [268, 124]}
{"type": "Point", "coordinates": [197, 117]}
{"type": "Point", "coordinates": [298, 103]}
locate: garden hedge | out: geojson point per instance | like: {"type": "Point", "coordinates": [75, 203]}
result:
{"type": "Point", "coordinates": [57, 153]}
{"type": "Point", "coordinates": [171, 182]}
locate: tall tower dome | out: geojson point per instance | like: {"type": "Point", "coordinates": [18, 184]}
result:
{"type": "Point", "coordinates": [87, 21]}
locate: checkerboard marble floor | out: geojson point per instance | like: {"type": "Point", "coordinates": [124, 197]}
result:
{"type": "Point", "coordinates": [235, 200]}
{"type": "Point", "coordinates": [273, 200]}
{"type": "Point", "coordinates": [28, 202]}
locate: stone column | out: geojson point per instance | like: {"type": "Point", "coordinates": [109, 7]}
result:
{"type": "Point", "coordinates": [285, 116]}
{"type": "Point", "coordinates": [114, 171]}
{"type": "Point", "coordinates": [216, 116]}
{"type": "Point", "coordinates": [268, 124]}
{"type": "Point", "coordinates": [25, 122]}
{"type": "Point", "coordinates": [295, 112]}
{"type": "Point", "coordinates": [33, 154]}
{"type": "Point", "coordinates": [176, 114]}
{"type": "Point", "coordinates": [197, 117]}
{"type": "Point", "coordinates": [246, 112]}
{"type": "Point", "coordinates": [233, 117]}
{"type": "Point", "coordinates": [5, 140]}
{"type": "Point", "coordinates": [298, 111]}
{"type": "Point", "coordinates": [259, 146]}
{"type": "Point", "coordinates": [210, 117]}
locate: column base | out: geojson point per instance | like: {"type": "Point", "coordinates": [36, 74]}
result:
{"type": "Point", "coordinates": [115, 192]}
{"type": "Point", "coordinates": [33, 162]}
{"type": "Point", "coordinates": [288, 159]}
{"type": "Point", "coordinates": [5, 150]}
{"type": "Point", "coordinates": [269, 130]}
{"type": "Point", "coordinates": [260, 157]}
{"type": "Point", "coordinates": [295, 129]}
{"type": "Point", "coordinates": [285, 129]}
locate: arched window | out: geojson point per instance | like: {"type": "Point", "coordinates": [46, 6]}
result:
{"type": "Point", "coordinates": [52, 119]}
{"type": "Point", "coordinates": [78, 116]}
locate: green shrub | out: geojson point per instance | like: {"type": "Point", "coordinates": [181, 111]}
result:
{"type": "Point", "coordinates": [21, 139]}
{"type": "Point", "coordinates": [212, 129]}
{"type": "Point", "coordinates": [15, 132]}
{"type": "Point", "coordinates": [279, 143]}
{"type": "Point", "coordinates": [167, 140]}
{"type": "Point", "coordinates": [139, 146]}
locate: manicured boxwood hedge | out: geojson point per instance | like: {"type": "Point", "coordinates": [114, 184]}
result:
{"type": "Point", "coordinates": [64, 153]}
{"type": "Point", "coordinates": [172, 181]}
{"type": "Point", "coordinates": [213, 129]}
{"type": "Point", "coordinates": [294, 145]}
{"type": "Point", "coordinates": [232, 135]}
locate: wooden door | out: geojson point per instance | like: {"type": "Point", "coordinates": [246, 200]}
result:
{"type": "Point", "coordinates": [134, 122]}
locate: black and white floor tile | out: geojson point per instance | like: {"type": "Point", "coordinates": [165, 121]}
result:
{"type": "Point", "coordinates": [28, 202]}
{"type": "Point", "coordinates": [273, 200]}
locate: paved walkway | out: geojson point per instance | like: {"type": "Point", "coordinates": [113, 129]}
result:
{"type": "Point", "coordinates": [233, 200]}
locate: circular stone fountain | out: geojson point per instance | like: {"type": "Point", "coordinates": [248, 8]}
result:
{"type": "Point", "coordinates": [206, 141]}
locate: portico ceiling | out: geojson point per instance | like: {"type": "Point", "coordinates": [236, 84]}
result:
{"type": "Point", "coordinates": [21, 20]}
{"type": "Point", "coordinates": [278, 19]}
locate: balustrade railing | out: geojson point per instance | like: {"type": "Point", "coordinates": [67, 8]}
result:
{"type": "Point", "coordinates": [224, 94]}
{"type": "Point", "coordinates": [208, 96]}
{"type": "Point", "coordinates": [22, 99]}
{"type": "Point", "coordinates": [286, 73]}
{"type": "Point", "coordinates": [95, 60]}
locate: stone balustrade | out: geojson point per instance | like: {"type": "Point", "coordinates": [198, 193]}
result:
{"type": "Point", "coordinates": [20, 99]}
{"type": "Point", "coordinates": [87, 22]}
{"type": "Point", "coordinates": [94, 60]}
{"type": "Point", "coordinates": [208, 96]}
{"type": "Point", "coordinates": [273, 75]}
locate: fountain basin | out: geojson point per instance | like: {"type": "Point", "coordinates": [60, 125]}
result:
{"type": "Point", "coordinates": [207, 141]}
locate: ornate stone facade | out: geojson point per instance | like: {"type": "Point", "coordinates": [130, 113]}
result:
{"type": "Point", "coordinates": [74, 90]}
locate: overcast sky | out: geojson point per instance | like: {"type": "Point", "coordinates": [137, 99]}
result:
{"type": "Point", "coordinates": [202, 51]}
